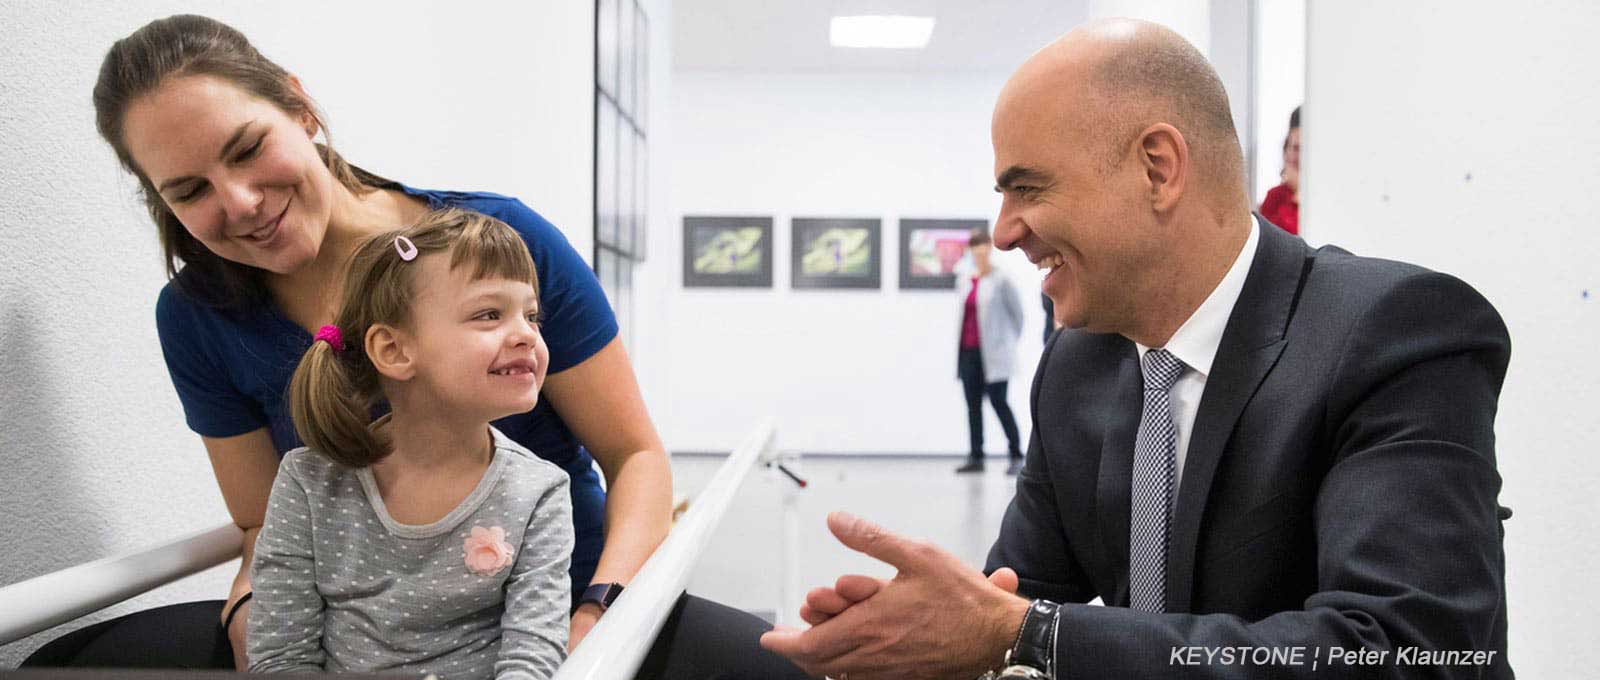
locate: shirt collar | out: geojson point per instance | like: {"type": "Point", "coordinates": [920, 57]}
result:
{"type": "Point", "coordinates": [1196, 341]}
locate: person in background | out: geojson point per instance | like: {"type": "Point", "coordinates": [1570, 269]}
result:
{"type": "Point", "coordinates": [1282, 204]}
{"type": "Point", "coordinates": [991, 322]}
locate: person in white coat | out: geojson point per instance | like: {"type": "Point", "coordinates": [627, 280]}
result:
{"type": "Point", "coordinates": [991, 322]}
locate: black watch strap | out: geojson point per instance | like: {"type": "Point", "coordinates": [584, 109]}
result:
{"type": "Point", "coordinates": [602, 594]}
{"type": "Point", "coordinates": [233, 611]}
{"type": "Point", "coordinates": [1036, 641]}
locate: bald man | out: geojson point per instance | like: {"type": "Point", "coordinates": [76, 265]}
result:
{"type": "Point", "coordinates": [1267, 460]}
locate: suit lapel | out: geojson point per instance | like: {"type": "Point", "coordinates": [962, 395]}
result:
{"type": "Point", "coordinates": [1116, 470]}
{"type": "Point", "coordinates": [1251, 344]}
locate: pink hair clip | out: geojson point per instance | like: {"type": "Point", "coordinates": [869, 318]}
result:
{"type": "Point", "coordinates": [331, 335]}
{"type": "Point", "coordinates": [407, 249]}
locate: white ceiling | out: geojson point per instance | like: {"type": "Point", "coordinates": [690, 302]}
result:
{"type": "Point", "coordinates": [971, 36]}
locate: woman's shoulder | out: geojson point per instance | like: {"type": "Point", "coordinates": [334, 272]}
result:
{"type": "Point", "coordinates": [180, 314]}
{"type": "Point", "coordinates": [508, 209]}
{"type": "Point", "coordinates": [182, 299]}
{"type": "Point", "coordinates": [177, 297]}
{"type": "Point", "coordinates": [173, 302]}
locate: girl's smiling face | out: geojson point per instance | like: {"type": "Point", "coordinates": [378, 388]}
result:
{"type": "Point", "coordinates": [476, 343]}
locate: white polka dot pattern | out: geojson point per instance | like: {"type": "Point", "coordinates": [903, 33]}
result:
{"type": "Point", "coordinates": [340, 586]}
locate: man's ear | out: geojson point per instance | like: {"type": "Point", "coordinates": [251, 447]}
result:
{"type": "Point", "coordinates": [1165, 155]}
{"type": "Point", "coordinates": [388, 349]}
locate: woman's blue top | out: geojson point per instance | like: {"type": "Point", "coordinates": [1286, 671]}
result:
{"type": "Point", "coordinates": [231, 367]}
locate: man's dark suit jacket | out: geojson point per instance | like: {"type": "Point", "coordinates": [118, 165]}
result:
{"type": "Point", "coordinates": [1339, 490]}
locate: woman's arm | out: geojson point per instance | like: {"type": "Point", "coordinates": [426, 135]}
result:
{"type": "Point", "coordinates": [245, 466]}
{"type": "Point", "coordinates": [600, 402]}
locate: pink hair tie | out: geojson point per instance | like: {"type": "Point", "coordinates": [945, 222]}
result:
{"type": "Point", "coordinates": [331, 335]}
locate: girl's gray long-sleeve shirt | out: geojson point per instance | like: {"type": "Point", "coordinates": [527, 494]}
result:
{"type": "Point", "coordinates": [341, 586]}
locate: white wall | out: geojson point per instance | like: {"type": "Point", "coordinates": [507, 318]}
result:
{"type": "Point", "coordinates": [1280, 79]}
{"type": "Point", "coordinates": [1232, 28]}
{"type": "Point", "coordinates": [847, 371]}
{"type": "Point", "coordinates": [94, 456]}
{"type": "Point", "coordinates": [651, 321]}
{"type": "Point", "coordinates": [1460, 137]}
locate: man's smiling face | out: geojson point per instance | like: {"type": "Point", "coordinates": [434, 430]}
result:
{"type": "Point", "coordinates": [1075, 201]}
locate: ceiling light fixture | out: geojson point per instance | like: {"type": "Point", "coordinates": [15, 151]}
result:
{"type": "Point", "coordinates": [886, 32]}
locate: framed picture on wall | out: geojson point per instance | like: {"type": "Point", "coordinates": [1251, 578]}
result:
{"type": "Point", "coordinates": [727, 252]}
{"type": "Point", "coordinates": [930, 249]}
{"type": "Point", "coordinates": [835, 253]}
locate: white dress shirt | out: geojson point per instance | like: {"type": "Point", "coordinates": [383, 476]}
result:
{"type": "Point", "coordinates": [1195, 344]}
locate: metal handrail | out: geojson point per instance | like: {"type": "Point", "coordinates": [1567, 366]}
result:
{"type": "Point", "coordinates": [613, 649]}
{"type": "Point", "coordinates": [616, 646]}
{"type": "Point", "coordinates": [30, 606]}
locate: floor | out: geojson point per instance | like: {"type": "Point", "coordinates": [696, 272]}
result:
{"type": "Point", "coordinates": [747, 564]}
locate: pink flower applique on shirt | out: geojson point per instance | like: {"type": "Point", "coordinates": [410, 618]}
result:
{"type": "Point", "coordinates": [487, 551]}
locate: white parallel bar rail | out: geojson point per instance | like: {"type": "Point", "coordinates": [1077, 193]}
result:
{"type": "Point", "coordinates": [38, 603]}
{"type": "Point", "coordinates": [789, 592]}
{"type": "Point", "coordinates": [616, 646]}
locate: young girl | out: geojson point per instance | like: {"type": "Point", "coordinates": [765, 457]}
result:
{"type": "Point", "coordinates": [426, 541]}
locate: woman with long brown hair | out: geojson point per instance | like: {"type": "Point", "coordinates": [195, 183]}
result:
{"type": "Point", "coordinates": [257, 220]}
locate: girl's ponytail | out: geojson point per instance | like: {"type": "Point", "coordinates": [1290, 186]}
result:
{"type": "Point", "coordinates": [331, 409]}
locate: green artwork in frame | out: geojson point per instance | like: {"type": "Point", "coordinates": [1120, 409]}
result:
{"type": "Point", "coordinates": [721, 252]}
{"type": "Point", "coordinates": [836, 253]}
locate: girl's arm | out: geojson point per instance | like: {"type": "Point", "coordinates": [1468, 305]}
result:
{"type": "Point", "coordinates": [600, 402]}
{"type": "Point", "coordinates": [533, 630]}
{"type": "Point", "coordinates": [245, 466]}
{"type": "Point", "coordinates": [285, 628]}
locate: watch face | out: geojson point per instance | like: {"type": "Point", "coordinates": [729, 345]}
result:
{"type": "Point", "coordinates": [1023, 673]}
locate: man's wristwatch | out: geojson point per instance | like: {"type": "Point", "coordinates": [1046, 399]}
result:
{"type": "Point", "coordinates": [602, 594]}
{"type": "Point", "coordinates": [1032, 656]}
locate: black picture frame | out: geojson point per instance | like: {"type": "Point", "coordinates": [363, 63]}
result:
{"type": "Point", "coordinates": [751, 252]}
{"type": "Point", "coordinates": [921, 239]}
{"type": "Point", "coordinates": [857, 252]}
